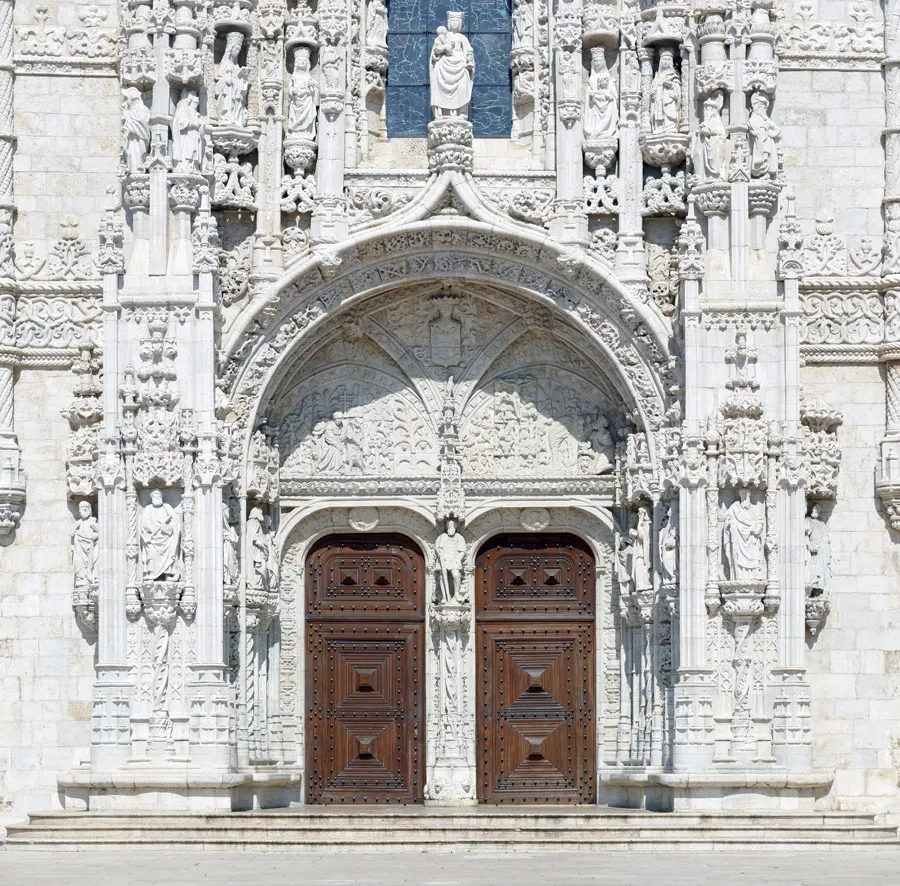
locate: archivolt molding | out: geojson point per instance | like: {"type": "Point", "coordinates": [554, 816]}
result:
{"type": "Point", "coordinates": [596, 529]}
{"type": "Point", "coordinates": [451, 213]}
{"type": "Point", "coordinates": [303, 527]}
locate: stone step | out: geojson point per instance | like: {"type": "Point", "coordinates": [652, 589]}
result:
{"type": "Point", "coordinates": [244, 821]}
{"type": "Point", "coordinates": [495, 830]}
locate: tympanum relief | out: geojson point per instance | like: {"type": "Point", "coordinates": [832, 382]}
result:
{"type": "Point", "coordinates": [372, 400]}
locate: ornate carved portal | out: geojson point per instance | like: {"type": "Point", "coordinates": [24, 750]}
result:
{"type": "Point", "coordinates": [535, 653]}
{"type": "Point", "coordinates": [365, 598]}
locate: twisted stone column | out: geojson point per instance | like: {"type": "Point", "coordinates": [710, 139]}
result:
{"type": "Point", "coordinates": [12, 477]}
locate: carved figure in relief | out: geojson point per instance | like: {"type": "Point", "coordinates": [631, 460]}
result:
{"type": "Point", "coordinates": [136, 128]}
{"type": "Point", "coordinates": [304, 97]}
{"type": "Point", "coordinates": [601, 104]}
{"type": "Point", "coordinates": [450, 550]}
{"type": "Point", "coordinates": [160, 540]}
{"type": "Point", "coordinates": [710, 155]}
{"type": "Point", "coordinates": [641, 557]}
{"type": "Point", "coordinates": [668, 547]}
{"type": "Point", "coordinates": [452, 68]}
{"type": "Point", "coordinates": [523, 23]}
{"type": "Point", "coordinates": [446, 334]}
{"type": "Point", "coordinates": [818, 552]}
{"type": "Point", "coordinates": [600, 445]}
{"type": "Point", "coordinates": [763, 137]}
{"type": "Point", "coordinates": [336, 446]}
{"type": "Point", "coordinates": [623, 565]}
{"type": "Point", "coordinates": [85, 548]}
{"type": "Point", "coordinates": [570, 74]}
{"type": "Point", "coordinates": [263, 575]}
{"type": "Point", "coordinates": [665, 95]}
{"type": "Point", "coordinates": [331, 72]}
{"type": "Point", "coordinates": [230, 547]}
{"type": "Point", "coordinates": [187, 133]}
{"type": "Point", "coordinates": [232, 83]}
{"type": "Point", "coordinates": [742, 536]}
{"type": "Point", "coordinates": [377, 22]}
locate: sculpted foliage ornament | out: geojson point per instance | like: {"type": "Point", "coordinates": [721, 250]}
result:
{"type": "Point", "coordinates": [821, 450]}
{"type": "Point", "coordinates": [84, 415]}
{"type": "Point", "coordinates": [744, 434]}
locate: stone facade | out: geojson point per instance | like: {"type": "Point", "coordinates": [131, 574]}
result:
{"type": "Point", "coordinates": [237, 317]}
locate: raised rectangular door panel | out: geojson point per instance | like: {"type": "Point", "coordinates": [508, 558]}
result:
{"type": "Point", "coordinates": [365, 671]}
{"type": "Point", "coordinates": [366, 713]}
{"type": "Point", "coordinates": [536, 713]}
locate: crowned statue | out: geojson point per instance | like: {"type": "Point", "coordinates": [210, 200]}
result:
{"type": "Point", "coordinates": [452, 69]}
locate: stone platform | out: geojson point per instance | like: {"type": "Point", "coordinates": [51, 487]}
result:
{"type": "Point", "coordinates": [378, 829]}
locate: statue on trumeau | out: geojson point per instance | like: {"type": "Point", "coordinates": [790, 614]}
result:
{"type": "Point", "coordinates": [452, 69]}
{"type": "Point", "coordinates": [450, 551]}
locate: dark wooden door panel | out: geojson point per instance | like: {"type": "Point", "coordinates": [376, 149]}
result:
{"type": "Point", "coordinates": [548, 576]}
{"type": "Point", "coordinates": [365, 671]}
{"type": "Point", "coordinates": [536, 713]}
{"type": "Point", "coordinates": [535, 653]}
{"type": "Point", "coordinates": [365, 576]}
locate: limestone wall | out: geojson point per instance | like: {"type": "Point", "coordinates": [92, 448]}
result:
{"type": "Point", "coordinates": [46, 666]}
{"type": "Point", "coordinates": [831, 124]}
{"type": "Point", "coordinates": [855, 661]}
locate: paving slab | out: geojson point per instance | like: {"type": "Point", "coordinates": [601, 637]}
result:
{"type": "Point", "coordinates": [878, 867]}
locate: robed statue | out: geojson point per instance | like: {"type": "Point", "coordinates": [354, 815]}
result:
{"type": "Point", "coordinates": [160, 537]}
{"type": "Point", "coordinates": [742, 536]}
{"type": "Point", "coordinates": [452, 69]}
{"type": "Point", "coordinates": [450, 552]}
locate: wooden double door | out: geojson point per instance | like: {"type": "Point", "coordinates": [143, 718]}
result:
{"type": "Point", "coordinates": [535, 670]}
{"type": "Point", "coordinates": [365, 670]}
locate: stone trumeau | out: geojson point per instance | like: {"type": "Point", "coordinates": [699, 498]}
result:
{"type": "Point", "coordinates": [498, 405]}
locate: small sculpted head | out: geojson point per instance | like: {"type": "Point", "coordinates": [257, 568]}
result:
{"type": "Point", "coordinates": [759, 102]}
{"type": "Point", "coordinates": [84, 510]}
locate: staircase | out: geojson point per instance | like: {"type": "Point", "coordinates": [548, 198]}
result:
{"type": "Point", "coordinates": [407, 828]}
